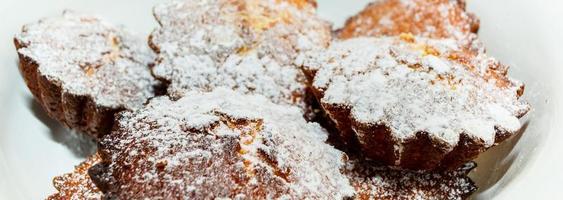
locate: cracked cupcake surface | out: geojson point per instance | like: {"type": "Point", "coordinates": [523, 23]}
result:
{"type": "Point", "coordinates": [248, 46]}
{"type": "Point", "coordinates": [82, 69]}
{"type": "Point", "coordinates": [415, 102]}
{"type": "Point", "coordinates": [220, 144]}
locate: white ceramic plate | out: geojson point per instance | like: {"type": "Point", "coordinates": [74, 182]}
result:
{"type": "Point", "coordinates": [525, 34]}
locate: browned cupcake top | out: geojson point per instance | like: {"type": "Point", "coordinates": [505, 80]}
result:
{"type": "Point", "coordinates": [428, 18]}
{"type": "Point", "coordinates": [413, 84]}
{"type": "Point", "coordinates": [87, 56]}
{"type": "Point", "coordinates": [221, 144]}
{"type": "Point", "coordinates": [248, 46]}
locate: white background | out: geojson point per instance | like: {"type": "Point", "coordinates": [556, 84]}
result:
{"type": "Point", "coordinates": [527, 35]}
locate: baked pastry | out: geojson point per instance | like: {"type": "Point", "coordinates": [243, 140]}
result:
{"type": "Point", "coordinates": [436, 19]}
{"type": "Point", "coordinates": [428, 18]}
{"type": "Point", "coordinates": [223, 144]}
{"type": "Point", "coordinates": [219, 144]}
{"type": "Point", "coordinates": [82, 70]}
{"type": "Point", "coordinates": [77, 184]}
{"type": "Point", "coordinates": [248, 46]}
{"type": "Point", "coordinates": [415, 102]}
{"type": "Point", "coordinates": [371, 181]}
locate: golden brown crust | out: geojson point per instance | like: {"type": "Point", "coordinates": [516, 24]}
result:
{"type": "Point", "coordinates": [429, 18]}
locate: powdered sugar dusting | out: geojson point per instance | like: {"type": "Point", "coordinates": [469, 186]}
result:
{"type": "Point", "coordinates": [375, 182]}
{"type": "Point", "coordinates": [89, 56]}
{"type": "Point", "coordinates": [248, 46]}
{"type": "Point", "coordinates": [414, 84]}
{"type": "Point", "coordinates": [222, 144]}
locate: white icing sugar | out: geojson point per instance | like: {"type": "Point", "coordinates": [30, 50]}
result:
{"type": "Point", "coordinates": [413, 86]}
{"type": "Point", "coordinates": [89, 56]}
{"type": "Point", "coordinates": [376, 182]}
{"type": "Point", "coordinates": [436, 64]}
{"type": "Point", "coordinates": [248, 46]}
{"type": "Point", "coordinates": [205, 139]}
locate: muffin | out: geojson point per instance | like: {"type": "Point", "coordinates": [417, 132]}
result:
{"type": "Point", "coordinates": [219, 145]}
{"type": "Point", "coordinates": [248, 46]}
{"type": "Point", "coordinates": [427, 18]}
{"type": "Point", "coordinates": [82, 70]}
{"type": "Point", "coordinates": [415, 102]}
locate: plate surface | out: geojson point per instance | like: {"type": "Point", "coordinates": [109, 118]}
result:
{"type": "Point", "coordinates": [520, 33]}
